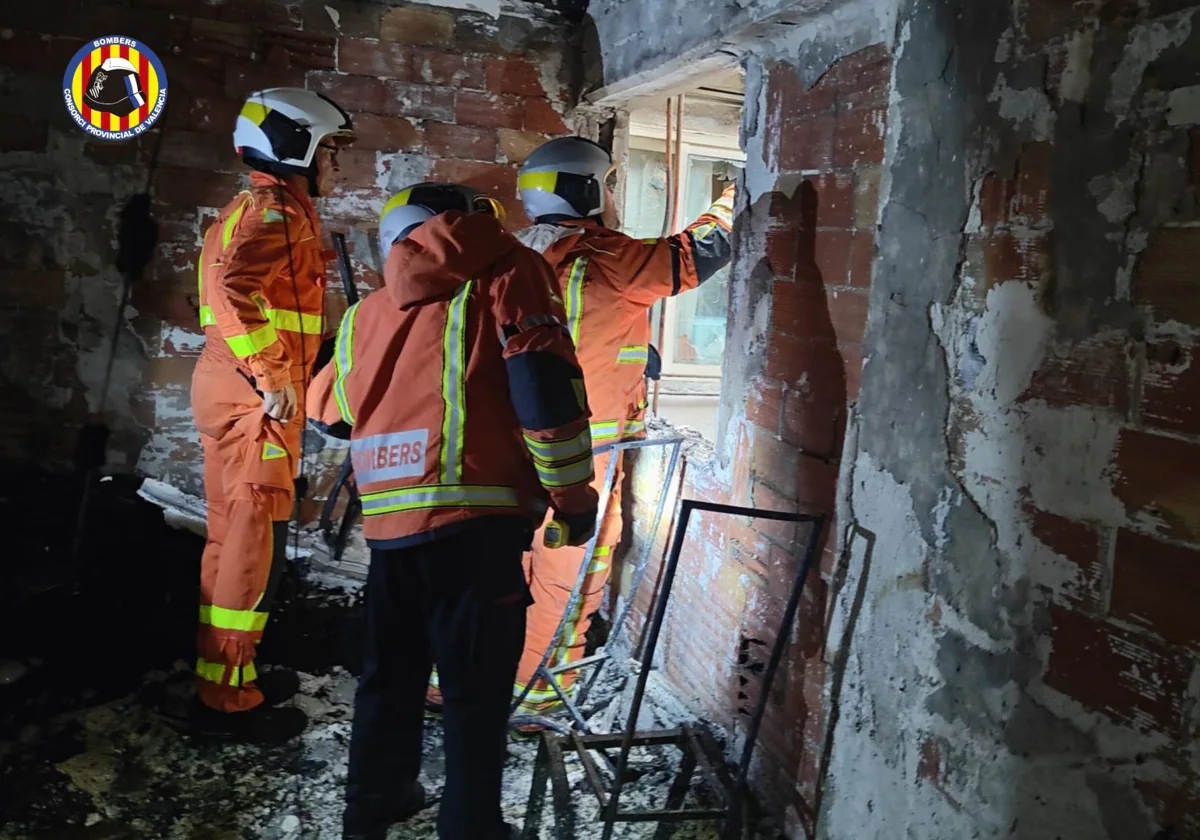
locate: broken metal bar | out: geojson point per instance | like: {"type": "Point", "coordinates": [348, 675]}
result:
{"type": "Point", "coordinates": [582, 663]}
{"type": "Point", "coordinates": [639, 571]}
{"type": "Point", "coordinates": [656, 738]}
{"type": "Point", "coordinates": [590, 768]}
{"type": "Point", "coordinates": [782, 640]}
{"type": "Point", "coordinates": [719, 782]}
{"type": "Point", "coordinates": [679, 788]}
{"type": "Point", "coordinates": [672, 816]}
{"type": "Point", "coordinates": [517, 721]}
{"type": "Point", "coordinates": [612, 813]}
{"type": "Point", "coordinates": [548, 677]}
{"type": "Point", "coordinates": [564, 813]}
{"type": "Point", "coordinates": [537, 791]}
{"type": "Point", "coordinates": [715, 760]}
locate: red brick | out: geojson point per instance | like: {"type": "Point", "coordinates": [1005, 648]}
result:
{"type": "Point", "coordinates": [799, 310]}
{"type": "Point", "coordinates": [193, 187]}
{"type": "Point", "coordinates": [995, 200]}
{"type": "Point", "coordinates": [514, 75]}
{"type": "Point", "coordinates": [782, 534]}
{"type": "Point", "coordinates": [1167, 280]}
{"type": "Point", "coordinates": [418, 26]}
{"type": "Point", "coordinates": [357, 168]}
{"type": "Point", "coordinates": [22, 135]}
{"type": "Point", "coordinates": [764, 404]}
{"type": "Point", "coordinates": [489, 110]}
{"type": "Point", "coordinates": [353, 93]}
{"type": "Point", "coordinates": [418, 102]}
{"type": "Point", "coordinates": [832, 256]}
{"type": "Point", "coordinates": [386, 134]}
{"type": "Point", "coordinates": [848, 313]}
{"type": "Point", "coordinates": [300, 49]}
{"type": "Point", "coordinates": [862, 260]}
{"type": "Point", "coordinates": [214, 114]}
{"type": "Point", "coordinates": [806, 144]}
{"type": "Point", "coordinates": [866, 198]}
{"type": "Point", "coordinates": [200, 78]}
{"type": "Point", "coordinates": [1124, 675]}
{"type": "Point", "coordinates": [1171, 388]}
{"type": "Point", "coordinates": [517, 146]}
{"type": "Point", "coordinates": [216, 39]}
{"type": "Point", "coordinates": [370, 57]}
{"type": "Point", "coordinates": [243, 78]}
{"type": "Point", "coordinates": [443, 69]}
{"type": "Point", "coordinates": [1079, 543]}
{"type": "Point", "coordinates": [1090, 372]}
{"type": "Point", "coordinates": [774, 462]}
{"type": "Point", "coordinates": [1157, 585]}
{"type": "Point", "coordinates": [1031, 201]}
{"type": "Point", "coordinates": [493, 178]}
{"type": "Point", "coordinates": [859, 137]}
{"type": "Point", "coordinates": [813, 421]}
{"type": "Point", "coordinates": [834, 200]}
{"type": "Point", "coordinates": [790, 98]}
{"type": "Point", "coordinates": [1157, 482]}
{"type": "Point", "coordinates": [867, 69]}
{"type": "Point", "coordinates": [1008, 257]}
{"type": "Point", "coordinates": [791, 359]}
{"type": "Point", "coordinates": [540, 116]}
{"type": "Point", "coordinates": [461, 141]}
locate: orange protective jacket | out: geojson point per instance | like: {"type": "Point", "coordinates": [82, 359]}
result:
{"type": "Point", "coordinates": [261, 311]}
{"type": "Point", "coordinates": [460, 386]}
{"type": "Point", "coordinates": [609, 282]}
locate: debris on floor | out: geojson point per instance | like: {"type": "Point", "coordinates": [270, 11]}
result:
{"type": "Point", "coordinates": [90, 746]}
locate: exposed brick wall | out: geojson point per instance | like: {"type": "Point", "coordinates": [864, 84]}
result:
{"type": "Point", "coordinates": [434, 94]}
{"type": "Point", "coordinates": [824, 147]}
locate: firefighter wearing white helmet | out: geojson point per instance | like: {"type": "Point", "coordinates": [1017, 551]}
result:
{"type": "Point", "coordinates": [609, 282]}
{"type": "Point", "coordinates": [411, 207]}
{"type": "Point", "coordinates": [262, 277]}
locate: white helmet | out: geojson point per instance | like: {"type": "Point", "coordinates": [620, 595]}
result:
{"type": "Point", "coordinates": [279, 129]}
{"type": "Point", "coordinates": [565, 177]}
{"type": "Point", "coordinates": [412, 206]}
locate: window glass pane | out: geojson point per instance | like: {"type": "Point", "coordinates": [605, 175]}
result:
{"type": "Point", "coordinates": [645, 194]}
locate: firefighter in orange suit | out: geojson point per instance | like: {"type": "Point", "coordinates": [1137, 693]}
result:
{"type": "Point", "coordinates": [467, 416]}
{"type": "Point", "coordinates": [262, 277]}
{"type": "Point", "coordinates": [609, 282]}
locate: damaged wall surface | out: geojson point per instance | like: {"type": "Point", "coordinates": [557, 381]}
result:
{"type": "Point", "coordinates": [436, 91]}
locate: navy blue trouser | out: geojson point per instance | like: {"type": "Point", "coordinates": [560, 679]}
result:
{"type": "Point", "coordinates": [458, 602]}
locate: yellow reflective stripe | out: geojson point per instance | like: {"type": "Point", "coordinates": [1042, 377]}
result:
{"type": "Point", "coordinates": [226, 619]}
{"type": "Point", "coordinates": [207, 317]}
{"type": "Point", "coordinates": [605, 430]}
{"type": "Point", "coordinates": [454, 372]}
{"type": "Point", "coordinates": [231, 224]}
{"type": "Point", "coordinates": [249, 674]}
{"type": "Point", "coordinates": [634, 354]}
{"type": "Point", "coordinates": [423, 497]}
{"type": "Point", "coordinates": [549, 451]}
{"type": "Point", "coordinates": [565, 476]}
{"type": "Point", "coordinates": [214, 672]}
{"type": "Point", "coordinates": [343, 362]}
{"type": "Point", "coordinates": [575, 297]}
{"type": "Point", "coordinates": [290, 320]}
{"type": "Point", "coordinates": [545, 181]}
{"type": "Point", "coordinates": [256, 112]}
{"type": "Point", "coordinates": [704, 230]}
{"type": "Point", "coordinates": [252, 342]}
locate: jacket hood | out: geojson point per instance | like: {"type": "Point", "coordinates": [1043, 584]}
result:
{"type": "Point", "coordinates": [442, 254]}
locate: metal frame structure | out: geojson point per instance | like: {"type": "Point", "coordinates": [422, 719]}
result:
{"type": "Point", "coordinates": [697, 747]}
{"type": "Point", "coordinates": [549, 675]}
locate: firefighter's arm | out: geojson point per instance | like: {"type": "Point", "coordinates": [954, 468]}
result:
{"type": "Point", "coordinates": [658, 268]}
{"type": "Point", "coordinates": [257, 252]}
{"type": "Point", "coordinates": [546, 385]}
{"type": "Point", "coordinates": [330, 402]}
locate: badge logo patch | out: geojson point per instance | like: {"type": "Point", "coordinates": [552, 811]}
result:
{"type": "Point", "coordinates": [115, 88]}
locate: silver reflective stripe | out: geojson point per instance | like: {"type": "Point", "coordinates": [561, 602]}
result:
{"type": "Point", "coordinates": [343, 360]}
{"type": "Point", "coordinates": [389, 457]}
{"type": "Point", "coordinates": [634, 354]}
{"type": "Point", "coordinates": [575, 473]}
{"type": "Point", "coordinates": [454, 369]}
{"type": "Point", "coordinates": [420, 498]}
{"type": "Point", "coordinates": [575, 297]}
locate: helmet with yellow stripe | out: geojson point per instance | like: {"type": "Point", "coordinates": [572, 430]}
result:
{"type": "Point", "coordinates": [565, 177]}
{"type": "Point", "coordinates": [279, 130]}
{"type": "Point", "coordinates": [409, 208]}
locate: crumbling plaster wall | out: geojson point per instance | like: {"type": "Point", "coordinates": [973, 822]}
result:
{"type": "Point", "coordinates": [1019, 656]}
{"type": "Point", "coordinates": [436, 90]}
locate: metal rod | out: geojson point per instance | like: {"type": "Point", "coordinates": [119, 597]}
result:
{"type": "Point", "coordinates": [537, 791]}
{"type": "Point", "coordinates": [564, 814]}
{"type": "Point", "coordinates": [582, 663]}
{"type": "Point", "coordinates": [577, 591]}
{"type": "Point", "coordinates": [660, 610]}
{"type": "Point", "coordinates": [590, 768]}
{"type": "Point", "coordinates": [782, 640]}
{"type": "Point", "coordinates": [640, 570]}
{"type": "Point", "coordinates": [548, 677]}
{"type": "Point", "coordinates": [640, 739]}
{"type": "Point", "coordinates": [673, 816]}
{"type": "Point", "coordinates": [720, 783]}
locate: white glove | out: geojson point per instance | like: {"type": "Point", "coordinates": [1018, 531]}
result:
{"type": "Point", "coordinates": [281, 405]}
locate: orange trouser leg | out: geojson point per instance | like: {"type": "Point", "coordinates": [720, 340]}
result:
{"type": "Point", "coordinates": [552, 574]}
{"type": "Point", "coordinates": [249, 495]}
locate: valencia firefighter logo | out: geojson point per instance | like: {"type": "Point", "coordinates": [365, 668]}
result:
{"type": "Point", "coordinates": [115, 88]}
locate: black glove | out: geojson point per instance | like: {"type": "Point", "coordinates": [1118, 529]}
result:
{"type": "Point", "coordinates": [580, 526]}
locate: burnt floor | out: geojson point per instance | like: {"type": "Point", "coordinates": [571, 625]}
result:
{"type": "Point", "coordinates": [90, 742]}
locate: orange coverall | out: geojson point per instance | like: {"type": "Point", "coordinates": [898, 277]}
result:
{"type": "Point", "coordinates": [609, 283]}
{"type": "Point", "coordinates": [262, 276]}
